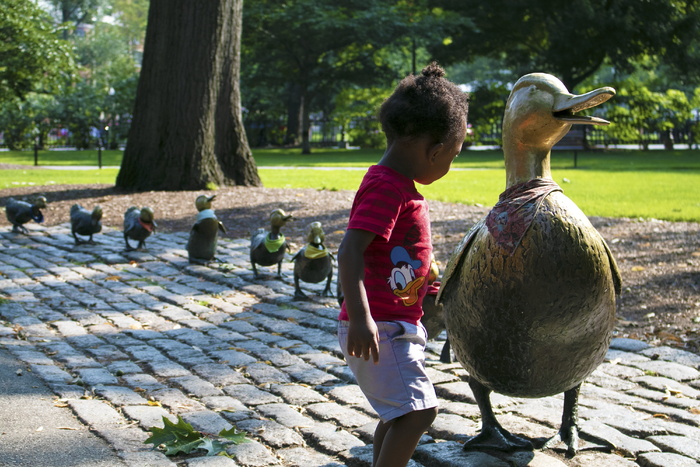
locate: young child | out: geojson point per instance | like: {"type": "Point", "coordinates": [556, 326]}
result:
{"type": "Point", "coordinates": [384, 260]}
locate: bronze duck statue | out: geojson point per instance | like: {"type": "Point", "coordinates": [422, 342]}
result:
{"type": "Point", "coordinates": [20, 212]}
{"type": "Point", "coordinates": [529, 293]}
{"type": "Point", "coordinates": [204, 235]}
{"type": "Point", "coordinates": [433, 318]}
{"type": "Point", "coordinates": [138, 225]}
{"type": "Point", "coordinates": [313, 263]}
{"type": "Point", "coordinates": [268, 248]}
{"type": "Point", "coordinates": [84, 222]}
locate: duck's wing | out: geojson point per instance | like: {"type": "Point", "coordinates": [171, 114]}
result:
{"type": "Point", "coordinates": [257, 239]}
{"type": "Point", "coordinates": [457, 254]}
{"type": "Point", "coordinates": [617, 278]}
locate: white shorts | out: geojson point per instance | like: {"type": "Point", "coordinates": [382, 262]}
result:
{"type": "Point", "coordinates": [398, 384]}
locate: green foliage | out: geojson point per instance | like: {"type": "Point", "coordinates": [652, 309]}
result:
{"type": "Point", "coordinates": [181, 437]}
{"type": "Point", "coordinates": [573, 39]}
{"type": "Point", "coordinates": [32, 57]}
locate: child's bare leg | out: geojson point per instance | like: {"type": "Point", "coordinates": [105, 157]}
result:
{"type": "Point", "coordinates": [379, 434]}
{"type": "Point", "coordinates": [401, 437]}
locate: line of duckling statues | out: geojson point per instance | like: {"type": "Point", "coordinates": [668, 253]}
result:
{"type": "Point", "coordinates": [313, 263]}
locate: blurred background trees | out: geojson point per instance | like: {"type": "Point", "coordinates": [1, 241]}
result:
{"type": "Point", "coordinates": [314, 71]}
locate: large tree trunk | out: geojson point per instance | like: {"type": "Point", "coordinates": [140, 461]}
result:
{"type": "Point", "coordinates": [187, 132]}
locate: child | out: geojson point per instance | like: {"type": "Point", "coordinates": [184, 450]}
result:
{"type": "Point", "coordinates": [384, 260]}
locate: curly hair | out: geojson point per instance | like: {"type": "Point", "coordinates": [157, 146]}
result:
{"type": "Point", "coordinates": [424, 105]}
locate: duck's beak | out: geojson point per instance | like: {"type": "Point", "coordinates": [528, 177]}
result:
{"type": "Point", "coordinates": [566, 105]}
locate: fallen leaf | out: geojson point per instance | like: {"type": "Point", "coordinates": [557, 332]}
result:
{"type": "Point", "coordinates": [660, 415]}
{"type": "Point", "coordinates": [66, 428]}
{"type": "Point", "coordinates": [112, 278]}
{"type": "Point", "coordinates": [637, 268]}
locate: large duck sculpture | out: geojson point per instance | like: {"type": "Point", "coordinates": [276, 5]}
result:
{"type": "Point", "coordinates": [313, 263]}
{"type": "Point", "coordinates": [20, 212]}
{"type": "Point", "coordinates": [529, 294]}
{"type": "Point", "coordinates": [204, 235]}
{"type": "Point", "coordinates": [85, 222]}
{"type": "Point", "coordinates": [139, 224]}
{"type": "Point", "coordinates": [268, 248]}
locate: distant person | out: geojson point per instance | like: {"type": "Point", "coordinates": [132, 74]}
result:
{"type": "Point", "coordinates": [384, 260]}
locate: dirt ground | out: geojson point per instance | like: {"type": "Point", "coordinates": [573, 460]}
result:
{"type": "Point", "coordinates": [659, 261]}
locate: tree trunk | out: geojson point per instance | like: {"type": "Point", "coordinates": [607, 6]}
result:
{"type": "Point", "coordinates": [295, 110]}
{"type": "Point", "coordinates": [187, 132]}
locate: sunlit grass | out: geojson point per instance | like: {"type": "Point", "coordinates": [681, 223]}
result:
{"type": "Point", "coordinates": [18, 178]}
{"type": "Point", "coordinates": [652, 184]}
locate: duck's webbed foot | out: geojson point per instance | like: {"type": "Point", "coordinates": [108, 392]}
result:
{"type": "Point", "coordinates": [568, 432]}
{"type": "Point", "coordinates": [497, 438]}
{"type": "Point", "coordinates": [567, 435]}
{"type": "Point", "coordinates": [18, 228]}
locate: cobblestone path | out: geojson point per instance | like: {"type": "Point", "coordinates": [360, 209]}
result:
{"type": "Point", "coordinates": [126, 338]}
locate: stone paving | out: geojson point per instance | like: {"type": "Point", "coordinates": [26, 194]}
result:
{"type": "Point", "coordinates": [126, 338]}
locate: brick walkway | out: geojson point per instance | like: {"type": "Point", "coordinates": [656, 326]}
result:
{"type": "Point", "coordinates": [127, 338]}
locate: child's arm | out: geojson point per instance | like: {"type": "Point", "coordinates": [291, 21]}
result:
{"type": "Point", "coordinates": [363, 340]}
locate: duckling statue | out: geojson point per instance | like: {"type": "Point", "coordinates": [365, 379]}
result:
{"type": "Point", "coordinates": [84, 222]}
{"type": "Point", "coordinates": [268, 248]}
{"type": "Point", "coordinates": [313, 263]}
{"type": "Point", "coordinates": [138, 225]}
{"type": "Point", "coordinates": [529, 293]}
{"type": "Point", "coordinates": [20, 212]}
{"type": "Point", "coordinates": [433, 318]}
{"type": "Point", "coordinates": [204, 236]}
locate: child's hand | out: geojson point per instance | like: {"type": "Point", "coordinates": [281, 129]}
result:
{"type": "Point", "coordinates": [363, 340]}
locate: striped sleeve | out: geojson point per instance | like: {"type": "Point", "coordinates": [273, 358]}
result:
{"type": "Point", "coordinates": [376, 208]}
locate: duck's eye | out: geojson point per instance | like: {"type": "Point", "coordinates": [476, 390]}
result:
{"type": "Point", "coordinates": [399, 279]}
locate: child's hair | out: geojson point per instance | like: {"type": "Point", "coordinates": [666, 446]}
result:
{"type": "Point", "coordinates": [425, 105]}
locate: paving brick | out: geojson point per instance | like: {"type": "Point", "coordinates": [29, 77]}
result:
{"type": "Point", "coordinates": [206, 421]}
{"type": "Point", "coordinates": [271, 432]}
{"type": "Point", "coordinates": [96, 413]}
{"type": "Point", "coordinates": [297, 394]}
{"type": "Point", "coordinates": [252, 454]}
{"type": "Point", "coordinates": [148, 416]}
{"type": "Point", "coordinates": [196, 386]}
{"type": "Point", "coordinates": [250, 395]}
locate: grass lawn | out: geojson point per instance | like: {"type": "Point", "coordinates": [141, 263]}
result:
{"type": "Point", "coordinates": [648, 184]}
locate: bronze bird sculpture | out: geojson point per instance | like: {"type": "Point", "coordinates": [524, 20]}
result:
{"type": "Point", "coordinates": [313, 263]}
{"type": "Point", "coordinates": [268, 248]}
{"type": "Point", "coordinates": [529, 293]}
{"type": "Point", "coordinates": [20, 212]}
{"type": "Point", "coordinates": [85, 223]}
{"type": "Point", "coordinates": [138, 225]}
{"type": "Point", "coordinates": [433, 318]}
{"type": "Point", "coordinates": [204, 235]}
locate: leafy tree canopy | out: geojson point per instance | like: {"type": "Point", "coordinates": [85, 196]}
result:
{"type": "Point", "coordinates": [32, 57]}
{"type": "Point", "coordinates": [573, 39]}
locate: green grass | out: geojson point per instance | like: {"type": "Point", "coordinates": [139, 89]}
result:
{"type": "Point", "coordinates": [86, 157]}
{"type": "Point", "coordinates": [652, 184]}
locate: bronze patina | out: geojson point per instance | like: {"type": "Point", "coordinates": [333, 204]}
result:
{"type": "Point", "coordinates": [313, 263]}
{"type": "Point", "coordinates": [204, 235]}
{"type": "Point", "coordinates": [529, 294]}
{"type": "Point", "coordinates": [268, 248]}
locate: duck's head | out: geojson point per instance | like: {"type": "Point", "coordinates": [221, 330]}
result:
{"type": "Point", "coordinates": [315, 234]}
{"type": "Point", "coordinates": [146, 215]}
{"type": "Point", "coordinates": [97, 213]}
{"type": "Point", "coordinates": [39, 202]}
{"type": "Point", "coordinates": [278, 218]}
{"type": "Point", "coordinates": [204, 202]}
{"type": "Point", "coordinates": [539, 112]}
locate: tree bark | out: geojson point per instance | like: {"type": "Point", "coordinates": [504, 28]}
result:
{"type": "Point", "coordinates": [187, 132]}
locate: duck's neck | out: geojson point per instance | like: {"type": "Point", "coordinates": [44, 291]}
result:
{"type": "Point", "coordinates": [525, 163]}
{"type": "Point", "coordinates": [274, 232]}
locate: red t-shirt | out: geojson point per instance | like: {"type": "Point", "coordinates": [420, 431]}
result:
{"type": "Point", "coordinates": [397, 262]}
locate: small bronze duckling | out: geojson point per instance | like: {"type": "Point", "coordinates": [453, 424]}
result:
{"type": "Point", "coordinates": [138, 225]}
{"type": "Point", "coordinates": [84, 222]}
{"type": "Point", "coordinates": [204, 236]}
{"type": "Point", "coordinates": [313, 263]}
{"type": "Point", "coordinates": [20, 212]}
{"type": "Point", "coordinates": [433, 313]}
{"type": "Point", "coordinates": [529, 293]}
{"type": "Point", "coordinates": [268, 248]}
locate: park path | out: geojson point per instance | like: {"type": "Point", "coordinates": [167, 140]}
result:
{"type": "Point", "coordinates": [123, 339]}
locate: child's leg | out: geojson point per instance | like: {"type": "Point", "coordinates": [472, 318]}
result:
{"type": "Point", "coordinates": [399, 437]}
